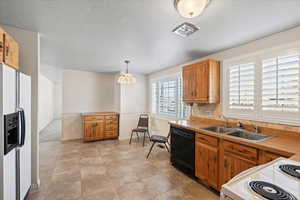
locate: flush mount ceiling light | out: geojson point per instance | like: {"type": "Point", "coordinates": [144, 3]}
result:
{"type": "Point", "coordinates": [190, 8]}
{"type": "Point", "coordinates": [126, 78]}
{"type": "Point", "coordinates": [185, 29]}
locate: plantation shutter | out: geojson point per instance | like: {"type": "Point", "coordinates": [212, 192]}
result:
{"type": "Point", "coordinates": [241, 86]}
{"type": "Point", "coordinates": [168, 97]}
{"type": "Point", "coordinates": [154, 97]}
{"type": "Point", "coordinates": [280, 84]}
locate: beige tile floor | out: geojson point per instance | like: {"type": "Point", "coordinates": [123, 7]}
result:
{"type": "Point", "coordinates": [111, 170]}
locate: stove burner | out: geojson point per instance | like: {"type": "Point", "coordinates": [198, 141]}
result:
{"type": "Point", "coordinates": [270, 191]}
{"type": "Point", "coordinates": [292, 170]}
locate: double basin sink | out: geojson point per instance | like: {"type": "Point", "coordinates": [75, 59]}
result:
{"type": "Point", "coordinates": [238, 133]}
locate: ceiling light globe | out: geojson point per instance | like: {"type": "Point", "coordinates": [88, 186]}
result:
{"type": "Point", "coordinates": [190, 8]}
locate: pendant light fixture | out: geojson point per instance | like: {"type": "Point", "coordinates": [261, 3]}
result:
{"type": "Point", "coordinates": [126, 78]}
{"type": "Point", "coordinates": [190, 8]}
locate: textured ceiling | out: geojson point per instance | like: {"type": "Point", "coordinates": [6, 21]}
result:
{"type": "Point", "coordinates": [97, 35]}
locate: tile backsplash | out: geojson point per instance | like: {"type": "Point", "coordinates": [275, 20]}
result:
{"type": "Point", "coordinates": [211, 110]}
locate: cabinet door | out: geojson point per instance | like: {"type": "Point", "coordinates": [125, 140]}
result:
{"type": "Point", "coordinates": [233, 166]}
{"type": "Point", "coordinates": [202, 80]}
{"type": "Point", "coordinates": [188, 83]}
{"type": "Point", "coordinates": [89, 132]}
{"type": "Point", "coordinates": [1, 45]}
{"type": "Point", "coordinates": [201, 161]}
{"type": "Point", "coordinates": [265, 157]}
{"type": "Point", "coordinates": [213, 167]}
{"type": "Point", "coordinates": [207, 163]}
{"type": "Point", "coordinates": [11, 52]}
{"type": "Point", "coordinates": [99, 129]}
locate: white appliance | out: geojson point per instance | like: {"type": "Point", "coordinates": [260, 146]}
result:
{"type": "Point", "coordinates": [16, 98]}
{"type": "Point", "coordinates": [279, 179]}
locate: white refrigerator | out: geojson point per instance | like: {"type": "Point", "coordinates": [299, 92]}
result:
{"type": "Point", "coordinates": [16, 100]}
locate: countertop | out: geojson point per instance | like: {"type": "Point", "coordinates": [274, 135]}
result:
{"type": "Point", "coordinates": [99, 113]}
{"type": "Point", "coordinates": [285, 145]}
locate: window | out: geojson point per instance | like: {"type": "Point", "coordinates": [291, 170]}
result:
{"type": "Point", "coordinates": [264, 87]}
{"type": "Point", "coordinates": [280, 84]}
{"type": "Point", "coordinates": [167, 98]}
{"type": "Point", "coordinates": [167, 94]}
{"type": "Point", "coordinates": [241, 86]}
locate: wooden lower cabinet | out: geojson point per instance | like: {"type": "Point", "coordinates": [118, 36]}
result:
{"type": "Point", "coordinates": [89, 131]}
{"type": "Point", "coordinates": [232, 166]}
{"type": "Point", "coordinates": [265, 157]}
{"type": "Point", "coordinates": [207, 164]}
{"type": "Point", "coordinates": [98, 127]}
{"type": "Point", "coordinates": [207, 161]}
{"type": "Point", "coordinates": [217, 160]}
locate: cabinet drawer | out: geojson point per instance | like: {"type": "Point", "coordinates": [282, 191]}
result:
{"type": "Point", "coordinates": [111, 127]}
{"type": "Point", "coordinates": [110, 134]}
{"type": "Point", "coordinates": [205, 139]}
{"type": "Point", "coordinates": [93, 118]}
{"type": "Point", "coordinates": [111, 117]}
{"type": "Point", "coordinates": [241, 150]}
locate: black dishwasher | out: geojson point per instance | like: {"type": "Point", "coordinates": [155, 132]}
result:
{"type": "Point", "coordinates": [183, 150]}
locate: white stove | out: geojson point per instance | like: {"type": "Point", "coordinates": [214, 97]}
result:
{"type": "Point", "coordinates": [266, 182]}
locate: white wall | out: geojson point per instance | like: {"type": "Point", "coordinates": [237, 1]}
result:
{"type": "Point", "coordinates": [133, 102]}
{"type": "Point", "coordinates": [58, 100]}
{"type": "Point", "coordinates": [29, 43]}
{"type": "Point", "coordinates": [272, 41]}
{"type": "Point", "coordinates": [85, 92]}
{"type": "Point", "coordinates": [46, 102]}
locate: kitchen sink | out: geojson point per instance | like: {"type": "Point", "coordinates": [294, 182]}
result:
{"type": "Point", "coordinates": [243, 134]}
{"type": "Point", "coordinates": [238, 133]}
{"type": "Point", "coordinates": [219, 129]}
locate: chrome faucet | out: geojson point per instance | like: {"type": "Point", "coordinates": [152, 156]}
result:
{"type": "Point", "coordinates": [256, 128]}
{"type": "Point", "coordinates": [226, 120]}
{"type": "Point", "coordinates": [240, 125]}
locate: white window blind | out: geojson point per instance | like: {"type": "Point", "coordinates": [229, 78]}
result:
{"type": "Point", "coordinates": [154, 97]}
{"type": "Point", "coordinates": [241, 86]}
{"type": "Point", "coordinates": [182, 106]}
{"type": "Point", "coordinates": [167, 97]}
{"type": "Point", "coordinates": [280, 84]}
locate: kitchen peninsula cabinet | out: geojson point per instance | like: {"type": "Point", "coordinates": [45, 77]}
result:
{"type": "Point", "coordinates": [99, 126]}
{"type": "Point", "coordinates": [201, 82]}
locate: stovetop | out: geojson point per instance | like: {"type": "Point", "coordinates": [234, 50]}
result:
{"type": "Point", "coordinates": [292, 170]}
{"type": "Point", "coordinates": [267, 182]}
{"type": "Point", "coordinates": [270, 191]}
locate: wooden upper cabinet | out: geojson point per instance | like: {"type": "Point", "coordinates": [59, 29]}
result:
{"type": "Point", "coordinates": [1, 45]}
{"type": "Point", "coordinates": [201, 82]}
{"type": "Point", "coordinates": [188, 83]}
{"type": "Point", "coordinates": [11, 52]}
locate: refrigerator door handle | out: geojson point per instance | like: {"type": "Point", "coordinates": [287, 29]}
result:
{"type": "Point", "coordinates": [22, 127]}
